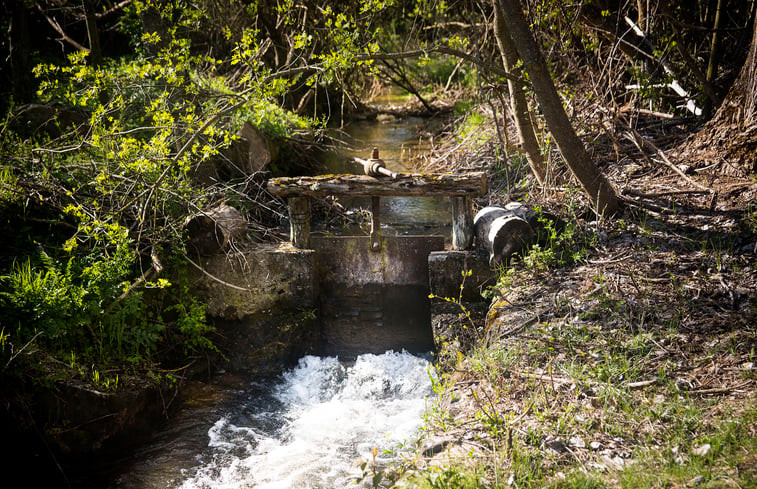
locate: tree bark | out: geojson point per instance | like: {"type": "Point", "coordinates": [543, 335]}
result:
{"type": "Point", "coordinates": [95, 53]}
{"type": "Point", "coordinates": [731, 135]}
{"type": "Point", "coordinates": [593, 182]}
{"type": "Point", "coordinates": [518, 100]}
{"type": "Point", "coordinates": [20, 47]}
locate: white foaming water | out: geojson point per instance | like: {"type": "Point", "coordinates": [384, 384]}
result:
{"type": "Point", "coordinates": [329, 415]}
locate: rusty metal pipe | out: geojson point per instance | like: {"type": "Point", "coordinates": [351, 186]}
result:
{"type": "Point", "coordinates": [375, 166]}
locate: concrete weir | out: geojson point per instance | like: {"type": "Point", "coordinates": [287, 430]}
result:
{"type": "Point", "coordinates": [276, 303]}
{"type": "Point", "coordinates": [336, 295]}
{"type": "Point", "coordinates": [373, 301]}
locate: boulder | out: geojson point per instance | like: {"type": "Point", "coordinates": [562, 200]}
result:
{"type": "Point", "coordinates": [247, 155]}
{"type": "Point", "coordinates": [214, 230]}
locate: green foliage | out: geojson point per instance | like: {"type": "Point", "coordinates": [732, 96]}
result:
{"type": "Point", "coordinates": [79, 301]}
{"type": "Point", "coordinates": [559, 246]}
{"type": "Point", "coordinates": [470, 129]}
{"type": "Point", "coordinates": [448, 478]}
{"type": "Point", "coordinates": [124, 181]}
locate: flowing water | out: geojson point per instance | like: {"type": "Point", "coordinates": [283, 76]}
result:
{"type": "Point", "coordinates": [306, 430]}
{"type": "Point", "coordinates": [309, 427]}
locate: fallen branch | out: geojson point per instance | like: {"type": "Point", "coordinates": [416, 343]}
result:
{"type": "Point", "coordinates": [636, 193]}
{"type": "Point", "coordinates": [641, 383]}
{"type": "Point", "coordinates": [213, 277]}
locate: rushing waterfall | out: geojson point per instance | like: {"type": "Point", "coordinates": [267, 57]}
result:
{"type": "Point", "coordinates": [322, 417]}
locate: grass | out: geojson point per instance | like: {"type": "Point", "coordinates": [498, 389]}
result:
{"type": "Point", "coordinates": [633, 366]}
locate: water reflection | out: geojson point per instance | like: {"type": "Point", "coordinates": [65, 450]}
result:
{"type": "Point", "coordinates": [400, 145]}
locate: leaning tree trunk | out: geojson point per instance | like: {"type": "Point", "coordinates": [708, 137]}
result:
{"type": "Point", "coordinates": [590, 178]}
{"type": "Point", "coordinates": [518, 97]}
{"type": "Point", "coordinates": [730, 137]}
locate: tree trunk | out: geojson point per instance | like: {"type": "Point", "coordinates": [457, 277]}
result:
{"type": "Point", "coordinates": [730, 137]}
{"type": "Point", "coordinates": [20, 48]}
{"type": "Point", "coordinates": [592, 181]}
{"type": "Point", "coordinates": [95, 53]}
{"type": "Point", "coordinates": [518, 100]}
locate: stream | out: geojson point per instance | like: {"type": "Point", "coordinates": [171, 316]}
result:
{"type": "Point", "coordinates": [310, 426]}
{"type": "Point", "coordinates": [399, 145]}
{"type": "Point", "coordinates": [305, 429]}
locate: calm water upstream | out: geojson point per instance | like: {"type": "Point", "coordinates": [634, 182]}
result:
{"type": "Point", "coordinates": [305, 430]}
{"type": "Point", "coordinates": [399, 145]}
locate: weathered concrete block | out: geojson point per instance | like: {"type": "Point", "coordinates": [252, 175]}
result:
{"type": "Point", "coordinates": [373, 301]}
{"type": "Point", "coordinates": [445, 271]}
{"type": "Point", "coordinates": [236, 285]}
{"type": "Point", "coordinates": [263, 302]}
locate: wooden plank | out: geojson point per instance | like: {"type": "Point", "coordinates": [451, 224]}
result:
{"type": "Point", "coordinates": [405, 185]}
{"type": "Point", "coordinates": [462, 223]}
{"type": "Point", "coordinates": [299, 222]}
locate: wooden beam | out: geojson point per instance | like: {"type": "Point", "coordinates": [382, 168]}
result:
{"type": "Point", "coordinates": [299, 222]}
{"type": "Point", "coordinates": [462, 223]}
{"type": "Point", "coordinates": [405, 185]}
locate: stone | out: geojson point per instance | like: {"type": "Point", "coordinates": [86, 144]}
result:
{"type": "Point", "coordinates": [53, 120]}
{"type": "Point", "coordinates": [436, 445]}
{"type": "Point", "coordinates": [702, 450]}
{"type": "Point", "coordinates": [554, 444]}
{"type": "Point", "coordinates": [696, 480]}
{"type": "Point", "coordinates": [213, 230]}
{"type": "Point", "coordinates": [247, 155]}
{"type": "Point", "coordinates": [576, 442]}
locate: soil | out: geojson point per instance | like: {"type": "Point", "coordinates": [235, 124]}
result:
{"type": "Point", "coordinates": [667, 287]}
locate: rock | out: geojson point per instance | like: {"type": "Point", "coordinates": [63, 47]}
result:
{"type": "Point", "coordinates": [576, 442]}
{"type": "Point", "coordinates": [52, 120]}
{"type": "Point", "coordinates": [555, 444]}
{"type": "Point", "coordinates": [696, 480]}
{"type": "Point", "coordinates": [614, 463]}
{"type": "Point", "coordinates": [595, 445]}
{"type": "Point", "coordinates": [436, 445]}
{"type": "Point", "coordinates": [250, 153]}
{"type": "Point", "coordinates": [214, 230]}
{"type": "Point", "coordinates": [702, 450]}
{"type": "Point", "coordinates": [253, 151]}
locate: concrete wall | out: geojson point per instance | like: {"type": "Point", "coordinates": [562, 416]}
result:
{"type": "Point", "coordinates": [273, 304]}
{"type": "Point", "coordinates": [263, 303]}
{"type": "Point", "coordinates": [371, 301]}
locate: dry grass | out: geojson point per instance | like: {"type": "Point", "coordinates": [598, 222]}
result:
{"type": "Point", "coordinates": [631, 363]}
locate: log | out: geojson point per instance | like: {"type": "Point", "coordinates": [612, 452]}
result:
{"type": "Point", "coordinates": [214, 230]}
{"type": "Point", "coordinates": [405, 185]}
{"type": "Point", "coordinates": [502, 233]}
